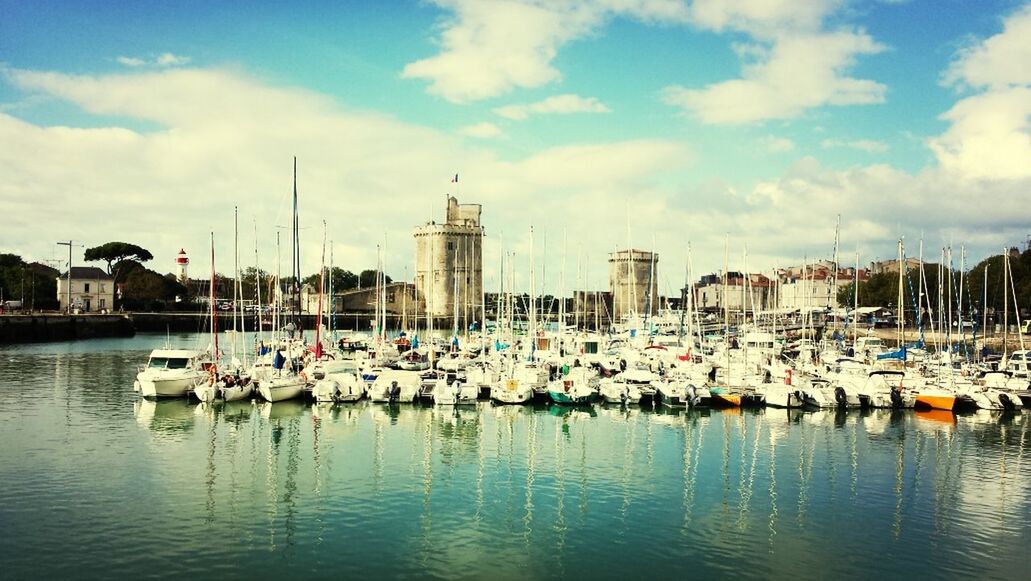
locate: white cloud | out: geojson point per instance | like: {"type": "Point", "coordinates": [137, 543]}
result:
{"type": "Point", "coordinates": [774, 144]}
{"type": "Point", "coordinates": [370, 174]}
{"type": "Point", "coordinates": [562, 104]}
{"type": "Point", "coordinates": [163, 60]}
{"type": "Point", "coordinates": [481, 130]}
{"type": "Point", "coordinates": [801, 72]}
{"type": "Point", "coordinates": [761, 18]}
{"type": "Point", "coordinates": [989, 137]}
{"type": "Point", "coordinates": [170, 60]}
{"type": "Point", "coordinates": [494, 46]}
{"type": "Point", "coordinates": [131, 61]}
{"type": "Point", "coordinates": [374, 178]}
{"type": "Point", "coordinates": [997, 62]}
{"type": "Point", "coordinates": [867, 145]}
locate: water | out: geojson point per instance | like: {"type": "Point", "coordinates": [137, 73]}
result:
{"type": "Point", "coordinates": [95, 482]}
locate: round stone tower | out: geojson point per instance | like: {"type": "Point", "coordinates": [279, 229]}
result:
{"type": "Point", "coordinates": [449, 263]}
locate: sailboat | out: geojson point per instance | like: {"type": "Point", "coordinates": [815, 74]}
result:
{"type": "Point", "coordinates": [206, 388]}
{"type": "Point", "coordinates": [284, 383]}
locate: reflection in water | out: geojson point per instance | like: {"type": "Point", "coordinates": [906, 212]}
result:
{"type": "Point", "coordinates": [407, 491]}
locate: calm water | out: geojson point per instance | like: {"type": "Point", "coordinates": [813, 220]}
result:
{"type": "Point", "coordinates": [95, 482]}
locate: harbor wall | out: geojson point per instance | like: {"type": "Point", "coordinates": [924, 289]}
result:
{"type": "Point", "coordinates": [38, 328]}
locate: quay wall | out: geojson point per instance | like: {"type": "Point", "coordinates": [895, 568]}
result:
{"type": "Point", "coordinates": [38, 328]}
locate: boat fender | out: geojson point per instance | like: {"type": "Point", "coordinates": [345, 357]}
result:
{"type": "Point", "coordinates": [840, 397]}
{"type": "Point", "coordinates": [787, 377]}
{"type": "Point", "coordinates": [622, 364]}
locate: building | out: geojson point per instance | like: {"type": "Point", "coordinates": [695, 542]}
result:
{"type": "Point", "coordinates": [893, 265]}
{"type": "Point", "coordinates": [92, 289]}
{"type": "Point", "coordinates": [742, 292]}
{"type": "Point", "coordinates": [449, 263]}
{"type": "Point", "coordinates": [633, 283]}
{"type": "Point", "coordinates": [815, 287]}
{"type": "Point", "coordinates": [591, 310]}
{"type": "Point", "coordinates": [401, 301]}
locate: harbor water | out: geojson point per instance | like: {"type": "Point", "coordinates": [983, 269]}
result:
{"type": "Point", "coordinates": [96, 482]}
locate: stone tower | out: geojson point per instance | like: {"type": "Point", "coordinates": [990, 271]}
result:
{"type": "Point", "coordinates": [633, 281]}
{"type": "Point", "coordinates": [449, 260]}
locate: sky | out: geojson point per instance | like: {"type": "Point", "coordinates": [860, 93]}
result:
{"type": "Point", "coordinates": [706, 130]}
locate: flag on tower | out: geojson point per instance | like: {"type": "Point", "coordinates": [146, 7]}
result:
{"type": "Point", "coordinates": [454, 180]}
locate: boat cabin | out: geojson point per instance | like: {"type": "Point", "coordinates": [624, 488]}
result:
{"type": "Point", "coordinates": [171, 359]}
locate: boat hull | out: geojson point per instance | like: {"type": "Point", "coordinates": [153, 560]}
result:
{"type": "Point", "coordinates": [166, 387]}
{"type": "Point", "coordinates": [274, 391]}
{"type": "Point", "coordinates": [935, 401]}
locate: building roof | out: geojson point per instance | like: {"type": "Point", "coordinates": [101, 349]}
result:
{"type": "Point", "coordinates": [88, 273]}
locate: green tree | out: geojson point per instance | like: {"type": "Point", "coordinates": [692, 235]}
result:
{"type": "Point", "coordinates": [112, 252]}
{"type": "Point", "coordinates": [342, 280]}
{"type": "Point", "coordinates": [368, 278]}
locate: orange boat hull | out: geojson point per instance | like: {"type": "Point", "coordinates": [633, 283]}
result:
{"type": "Point", "coordinates": [936, 402]}
{"type": "Point", "coordinates": [726, 399]}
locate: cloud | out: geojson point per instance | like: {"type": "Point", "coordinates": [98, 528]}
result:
{"type": "Point", "coordinates": [561, 104]}
{"type": "Point", "coordinates": [163, 60]}
{"type": "Point", "coordinates": [997, 62]}
{"type": "Point", "coordinates": [226, 139]}
{"type": "Point", "coordinates": [131, 61]}
{"type": "Point", "coordinates": [373, 178]}
{"type": "Point", "coordinates": [494, 46]}
{"type": "Point", "coordinates": [170, 60]}
{"type": "Point", "coordinates": [761, 18]}
{"type": "Point", "coordinates": [799, 73]}
{"type": "Point", "coordinates": [867, 145]}
{"type": "Point", "coordinates": [989, 137]}
{"type": "Point", "coordinates": [774, 144]}
{"type": "Point", "coordinates": [481, 130]}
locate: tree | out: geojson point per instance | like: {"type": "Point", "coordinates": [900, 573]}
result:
{"type": "Point", "coordinates": [342, 280]}
{"type": "Point", "coordinates": [368, 278]}
{"type": "Point", "coordinates": [117, 251]}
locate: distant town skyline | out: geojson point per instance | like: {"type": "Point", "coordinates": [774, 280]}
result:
{"type": "Point", "coordinates": [602, 124]}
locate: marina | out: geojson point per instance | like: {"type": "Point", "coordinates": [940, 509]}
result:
{"type": "Point", "coordinates": [515, 290]}
{"type": "Point", "coordinates": [546, 491]}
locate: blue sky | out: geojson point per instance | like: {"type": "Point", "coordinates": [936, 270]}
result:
{"type": "Point", "coordinates": [761, 119]}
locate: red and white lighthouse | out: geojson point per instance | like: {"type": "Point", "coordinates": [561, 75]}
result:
{"type": "Point", "coordinates": [181, 262]}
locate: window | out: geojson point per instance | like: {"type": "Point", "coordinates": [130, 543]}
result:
{"type": "Point", "coordinates": [103, 304]}
{"type": "Point", "coordinates": [87, 288]}
{"type": "Point", "coordinates": [450, 245]}
{"type": "Point", "coordinates": [101, 288]}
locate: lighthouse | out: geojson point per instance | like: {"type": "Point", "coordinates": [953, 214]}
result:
{"type": "Point", "coordinates": [181, 262]}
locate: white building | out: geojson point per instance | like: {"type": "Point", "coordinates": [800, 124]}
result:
{"type": "Point", "coordinates": [751, 292]}
{"type": "Point", "coordinates": [92, 289]}
{"type": "Point", "coordinates": [814, 288]}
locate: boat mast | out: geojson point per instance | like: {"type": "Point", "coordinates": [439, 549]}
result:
{"type": "Point", "coordinates": [533, 303]}
{"type": "Point", "coordinates": [237, 290]}
{"type": "Point", "coordinates": [322, 289]}
{"type": "Point", "coordinates": [211, 304]}
{"type": "Point", "coordinates": [296, 259]}
{"type": "Point", "coordinates": [257, 282]}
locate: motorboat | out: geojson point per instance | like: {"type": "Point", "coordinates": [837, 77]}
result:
{"type": "Point", "coordinates": [393, 386]}
{"type": "Point", "coordinates": [337, 381]}
{"type": "Point", "coordinates": [578, 387]}
{"type": "Point", "coordinates": [171, 373]}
